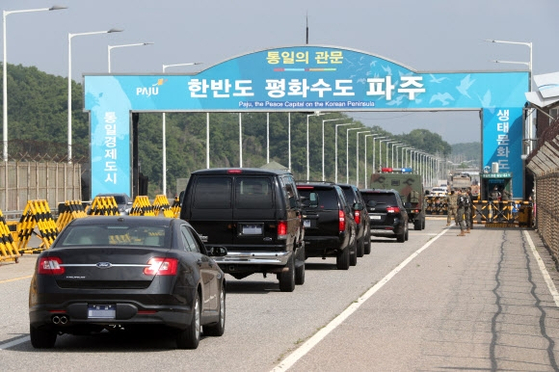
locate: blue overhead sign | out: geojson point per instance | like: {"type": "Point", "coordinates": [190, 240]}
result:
{"type": "Point", "coordinates": [298, 78]}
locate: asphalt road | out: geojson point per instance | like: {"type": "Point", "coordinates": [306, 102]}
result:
{"type": "Point", "coordinates": [437, 302]}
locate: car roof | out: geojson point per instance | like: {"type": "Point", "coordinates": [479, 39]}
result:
{"type": "Point", "coordinates": [128, 220]}
{"type": "Point", "coordinates": [241, 171]}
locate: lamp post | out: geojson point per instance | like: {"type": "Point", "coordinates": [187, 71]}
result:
{"type": "Point", "coordinates": [111, 47]}
{"type": "Point", "coordinates": [387, 153]}
{"type": "Point", "coordinates": [357, 156]}
{"type": "Point", "coordinates": [336, 145]}
{"type": "Point", "coordinates": [70, 36]}
{"type": "Point", "coordinates": [365, 137]}
{"type": "Point", "coordinates": [380, 150]}
{"type": "Point", "coordinates": [164, 132]}
{"type": "Point", "coordinates": [308, 163]}
{"type": "Point", "coordinates": [529, 65]}
{"type": "Point", "coordinates": [5, 14]}
{"type": "Point", "coordinates": [325, 121]}
{"type": "Point", "coordinates": [347, 153]}
{"type": "Point", "coordinates": [374, 152]}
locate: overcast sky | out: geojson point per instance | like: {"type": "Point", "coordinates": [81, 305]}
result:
{"type": "Point", "coordinates": [429, 35]}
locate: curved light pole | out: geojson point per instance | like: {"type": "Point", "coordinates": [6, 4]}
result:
{"type": "Point", "coordinates": [325, 121]}
{"type": "Point", "coordinates": [164, 131]}
{"type": "Point", "coordinates": [308, 163]}
{"type": "Point", "coordinates": [336, 152]}
{"type": "Point", "coordinates": [365, 137]}
{"type": "Point", "coordinates": [374, 152]}
{"type": "Point", "coordinates": [387, 140]}
{"type": "Point", "coordinates": [111, 47]}
{"type": "Point", "coordinates": [5, 14]}
{"type": "Point", "coordinates": [357, 155]}
{"type": "Point", "coordinates": [70, 36]}
{"type": "Point", "coordinates": [347, 153]}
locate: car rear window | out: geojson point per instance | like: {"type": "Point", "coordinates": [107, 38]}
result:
{"type": "Point", "coordinates": [320, 198]}
{"type": "Point", "coordinates": [349, 195]}
{"type": "Point", "coordinates": [381, 198]}
{"type": "Point", "coordinates": [213, 193]}
{"type": "Point", "coordinates": [253, 193]}
{"type": "Point", "coordinates": [113, 235]}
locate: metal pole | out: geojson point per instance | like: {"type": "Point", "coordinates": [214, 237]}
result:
{"type": "Point", "coordinates": [336, 151]}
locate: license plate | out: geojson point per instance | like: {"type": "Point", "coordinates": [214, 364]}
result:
{"type": "Point", "coordinates": [375, 217]}
{"type": "Point", "coordinates": [99, 311]}
{"type": "Point", "coordinates": [252, 230]}
{"type": "Point", "coordinates": [307, 223]}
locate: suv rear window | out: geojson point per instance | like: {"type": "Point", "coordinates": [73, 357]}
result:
{"type": "Point", "coordinates": [381, 198]}
{"type": "Point", "coordinates": [320, 198]}
{"type": "Point", "coordinates": [213, 193]}
{"type": "Point", "coordinates": [250, 193]}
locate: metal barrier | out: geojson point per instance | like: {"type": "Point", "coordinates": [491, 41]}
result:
{"type": "Point", "coordinates": [36, 214]}
{"type": "Point", "coordinates": [142, 207]}
{"type": "Point", "coordinates": [8, 251]}
{"type": "Point", "coordinates": [104, 206]}
{"type": "Point", "coordinates": [161, 204]}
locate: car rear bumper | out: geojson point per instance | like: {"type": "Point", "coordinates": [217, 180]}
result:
{"type": "Point", "coordinates": [279, 258]}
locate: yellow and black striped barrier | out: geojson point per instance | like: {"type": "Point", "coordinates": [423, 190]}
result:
{"type": "Point", "coordinates": [142, 207]}
{"type": "Point", "coordinates": [176, 207]}
{"type": "Point", "coordinates": [8, 250]}
{"type": "Point", "coordinates": [161, 204]}
{"type": "Point", "coordinates": [36, 214]}
{"type": "Point", "coordinates": [71, 210]}
{"type": "Point", "coordinates": [104, 206]}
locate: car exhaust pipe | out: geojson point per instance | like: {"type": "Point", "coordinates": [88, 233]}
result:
{"type": "Point", "coordinates": [63, 319]}
{"type": "Point", "coordinates": [56, 319]}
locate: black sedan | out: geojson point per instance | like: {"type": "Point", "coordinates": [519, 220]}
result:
{"type": "Point", "coordinates": [121, 273]}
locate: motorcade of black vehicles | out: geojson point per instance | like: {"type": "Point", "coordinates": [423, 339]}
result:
{"type": "Point", "coordinates": [121, 273]}
{"type": "Point", "coordinates": [361, 217]}
{"type": "Point", "coordinates": [256, 214]}
{"type": "Point", "coordinates": [330, 229]}
{"type": "Point", "coordinates": [387, 214]}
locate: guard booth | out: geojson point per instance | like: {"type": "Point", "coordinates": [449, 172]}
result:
{"type": "Point", "coordinates": [503, 181]}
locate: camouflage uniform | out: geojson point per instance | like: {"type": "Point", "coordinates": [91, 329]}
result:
{"type": "Point", "coordinates": [452, 206]}
{"type": "Point", "coordinates": [460, 213]}
{"type": "Point", "coordinates": [468, 210]}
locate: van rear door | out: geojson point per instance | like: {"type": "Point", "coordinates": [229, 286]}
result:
{"type": "Point", "coordinates": [210, 209]}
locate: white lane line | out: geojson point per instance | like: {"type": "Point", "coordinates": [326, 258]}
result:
{"type": "Point", "coordinates": [15, 342]}
{"type": "Point", "coordinates": [546, 277]}
{"type": "Point", "coordinates": [292, 358]}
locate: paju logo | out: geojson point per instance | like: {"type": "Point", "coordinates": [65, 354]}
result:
{"type": "Point", "coordinates": [150, 91]}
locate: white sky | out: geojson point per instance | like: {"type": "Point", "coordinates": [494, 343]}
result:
{"type": "Point", "coordinates": [430, 35]}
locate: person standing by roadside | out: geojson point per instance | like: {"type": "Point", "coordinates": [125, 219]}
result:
{"type": "Point", "coordinates": [468, 208]}
{"type": "Point", "coordinates": [452, 206]}
{"type": "Point", "coordinates": [461, 203]}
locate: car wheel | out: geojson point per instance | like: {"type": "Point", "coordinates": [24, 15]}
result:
{"type": "Point", "coordinates": [353, 255]}
{"type": "Point", "coordinates": [400, 238]}
{"type": "Point", "coordinates": [423, 223]}
{"type": "Point", "coordinates": [407, 234]}
{"type": "Point", "coordinates": [342, 260]}
{"type": "Point", "coordinates": [361, 248]}
{"type": "Point", "coordinates": [417, 225]}
{"type": "Point", "coordinates": [189, 338]}
{"type": "Point", "coordinates": [287, 278]}
{"type": "Point", "coordinates": [367, 248]}
{"type": "Point", "coordinates": [42, 339]}
{"type": "Point", "coordinates": [218, 328]}
{"type": "Point", "coordinates": [300, 268]}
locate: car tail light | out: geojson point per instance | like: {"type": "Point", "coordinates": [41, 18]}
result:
{"type": "Point", "coordinates": [357, 216]}
{"type": "Point", "coordinates": [302, 187]}
{"type": "Point", "coordinates": [282, 230]}
{"type": "Point", "coordinates": [50, 266]}
{"type": "Point", "coordinates": [393, 210]}
{"type": "Point", "coordinates": [341, 220]}
{"type": "Point", "coordinates": [162, 266]}
{"type": "Point", "coordinates": [234, 171]}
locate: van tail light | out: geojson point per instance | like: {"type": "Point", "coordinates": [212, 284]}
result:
{"type": "Point", "coordinates": [341, 220]}
{"type": "Point", "coordinates": [50, 266]}
{"type": "Point", "coordinates": [282, 230]}
{"type": "Point", "coordinates": [162, 266]}
{"type": "Point", "coordinates": [357, 216]}
{"type": "Point", "coordinates": [393, 210]}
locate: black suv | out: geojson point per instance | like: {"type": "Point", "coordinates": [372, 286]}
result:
{"type": "Point", "coordinates": [255, 214]}
{"type": "Point", "coordinates": [330, 229]}
{"type": "Point", "coordinates": [361, 216]}
{"type": "Point", "coordinates": [388, 216]}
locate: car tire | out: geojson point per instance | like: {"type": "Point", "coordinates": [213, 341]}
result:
{"type": "Point", "coordinates": [218, 328]}
{"type": "Point", "coordinates": [189, 338]}
{"type": "Point", "coordinates": [287, 278]}
{"type": "Point", "coordinates": [353, 255]}
{"type": "Point", "coordinates": [367, 248]}
{"type": "Point", "coordinates": [400, 238]}
{"type": "Point", "coordinates": [42, 339]}
{"type": "Point", "coordinates": [407, 234]}
{"type": "Point", "coordinates": [300, 268]}
{"type": "Point", "coordinates": [361, 248]}
{"type": "Point", "coordinates": [417, 224]}
{"type": "Point", "coordinates": [342, 259]}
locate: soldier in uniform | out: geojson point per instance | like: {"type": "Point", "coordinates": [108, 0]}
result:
{"type": "Point", "coordinates": [468, 209]}
{"type": "Point", "coordinates": [452, 206]}
{"type": "Point", "coordinates": [461, 202]}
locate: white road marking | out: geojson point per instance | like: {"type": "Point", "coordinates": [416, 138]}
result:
{"type": "Point", "coordinates": [292, 358]}
{"type": "Point", "coordinates": [15, 342]}
{"type": "Point", "coordinates": [546, 277]}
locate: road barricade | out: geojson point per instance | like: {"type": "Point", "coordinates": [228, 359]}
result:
{"type": "Point", "coordinates": [104, 206]}
{"type": "Point", "coordinates": [161, 204]}
{"type": "Point", "coordinates": [142, 207]}
{"type": "Point", "coordinates": [8, 250]}
{"type": "Point", "coordinates": [36, 214]}
{"type": "Point", "coordinates": [70, 210]}
{"type": "Point", "coordinates": [436, 205]}
{"type": "Point", "coordinates": [176, 207]}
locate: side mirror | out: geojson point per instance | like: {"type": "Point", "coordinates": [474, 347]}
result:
{"type": "Point", "coordinates": [217, 251]}
{"type": "Point", "coordinates": [357, 206]}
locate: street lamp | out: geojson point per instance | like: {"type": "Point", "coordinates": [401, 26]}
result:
{"type": "Point", "coordinates": [308, 163]}
{"type": "Point", "coordinates": [324, 121]}
{"type": "Point", "coordinates": [529, 64]}
{"type": "Point", "coordinates": [347, 153]}
{"type": "Point", "coordinates": [387, 140]}
{"type": "Point", "coordinates": [164, 132]}
{"type": "Point", "coordinates": [357, 156]}
{"type": "Point", "coordinates": [5, 13]}
{"type": "Point", "coordinates": [367, 136]}
{"type": "Point", "coordinates": [110, 47]}
{"type": "Point", "coordinates": [70, 36]}
{"type": "Point", "coordinates": [379, 138]}
{"type": "Point", "coordinates": [336, 145]}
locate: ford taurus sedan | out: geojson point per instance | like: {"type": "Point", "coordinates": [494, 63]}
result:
{"type": "Point", "coordinates": [122, 273]}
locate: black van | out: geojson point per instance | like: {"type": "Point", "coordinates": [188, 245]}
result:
{"type": "Point", "coordinates": [255, 214]}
